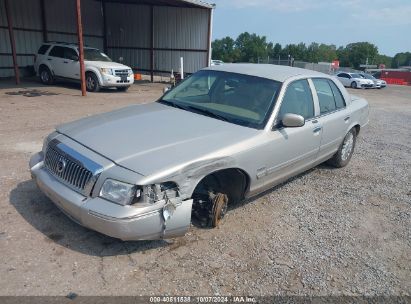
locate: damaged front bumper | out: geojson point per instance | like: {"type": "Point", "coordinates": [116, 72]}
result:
{"type": "Point", "coordinates": [123, 222]}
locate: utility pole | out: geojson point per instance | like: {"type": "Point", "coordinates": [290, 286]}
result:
{"type": "Point", "coordinates": [81, 48]}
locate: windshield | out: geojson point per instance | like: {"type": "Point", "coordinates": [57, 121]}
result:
{"type": "Point", "coordinates": [368, 76]}
{"type": "Point", "coordinates": [95, 55]}
{"type": "Point", "coordinates": [236, 98]}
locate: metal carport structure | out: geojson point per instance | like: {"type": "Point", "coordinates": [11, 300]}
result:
{"type": "Point", "coordinates": [150, 35]}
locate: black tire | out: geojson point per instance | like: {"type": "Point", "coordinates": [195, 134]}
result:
{"type": "Point", "coordinates": [123, 89]}
{"type": "Point", "coordinates": [46, 77]}
{"type": "Point", "coordinates": [343, 156]}
{"type": "Point", "coordinates": [353, 85]}
{"type": "Point", "coordinates": [92, 84]}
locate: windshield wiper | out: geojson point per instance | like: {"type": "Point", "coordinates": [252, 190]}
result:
{"type": "Point", "coordinates": [208, 113]}
{"type": "Point", "coordinates": [173, 104]}
{"type": "Point", "coordinates": [194, 109]}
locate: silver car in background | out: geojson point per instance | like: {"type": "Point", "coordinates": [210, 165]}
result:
{"type": "Point", "coordinates": [225, 134]}
{"type": "Point", "coordinates": [354, 80]}
{"type": "Point", "coordinates": [378, 83]}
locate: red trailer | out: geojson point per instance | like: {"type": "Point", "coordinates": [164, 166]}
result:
{"type": "Point", "coordinates": [396, 77]}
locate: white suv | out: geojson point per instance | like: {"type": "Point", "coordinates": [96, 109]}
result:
{"type": "Point", "coordinates": [57, 60]}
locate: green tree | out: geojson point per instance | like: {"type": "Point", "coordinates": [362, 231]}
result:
{"type": "Point", "coordinates": [296, 51]}
{"type": "Point", "coordinates": [359, 52]}
{"type": "Point", "coordinates": [276, 51]}
{"type": "Point", "coordinates": [401, 59]}
{"type": "Point", "coordinates": [251, 47]}
{"type": "Point", "coordinates": [343, 57]}
{"type": "Point", "coordinates": [383, 59]}
{"type": "Point", "coordinates": [254, 48]}
{"type": "Point", "coordinates": [223, 49]}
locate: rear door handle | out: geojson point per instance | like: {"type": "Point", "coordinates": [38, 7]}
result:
{"type": "Point", "coordinates": [65, 61]}
{"type": "Point", "coordinates": [49, 59]}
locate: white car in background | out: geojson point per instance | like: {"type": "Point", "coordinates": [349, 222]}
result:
{"type": "Point", "coordinates": [378, 83]}
{"type": "Point", "coordinates": [216, 62]}
{"type": "Point", "coordinates": [354, 80]}
{"type": "Point", "coordinates": [60, 61]}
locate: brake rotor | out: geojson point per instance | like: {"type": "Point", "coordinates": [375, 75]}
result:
{"type": "Point", "coordinates": [219, 208]}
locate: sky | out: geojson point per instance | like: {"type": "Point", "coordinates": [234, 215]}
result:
{"type": "Point", "coordinates": [385, 23]}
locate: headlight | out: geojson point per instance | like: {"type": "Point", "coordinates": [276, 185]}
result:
{"type": "Point", "coordinates": [106, 71]}
{"type": "Point", "coordinates": [118, 192]}
{"type": "Point", "coordinates": [130, 72]}
{"type": "Point", "coordinates": [127, 194]}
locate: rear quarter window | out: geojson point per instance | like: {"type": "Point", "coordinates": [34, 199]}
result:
{"type": "Point", "coordinates": [339, 99]}
{"type": "Point", "coordinates": [325, 95]}
{"type": "Point", "coordinates": [43, 49]}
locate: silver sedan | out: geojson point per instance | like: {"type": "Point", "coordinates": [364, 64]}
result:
{"type": "Point", "coordinates": [226, 133]}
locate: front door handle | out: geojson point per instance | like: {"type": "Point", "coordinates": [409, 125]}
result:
{"type": "Point", "coordinates": [49, 59]}
{"type": "Point", "coordinates": [65, 61]}
{"type": "Point", "coordinates": [317, 129]}
{"type": "Point", "coordinates": [347, 118]}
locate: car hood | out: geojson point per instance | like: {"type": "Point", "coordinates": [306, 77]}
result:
{"type": "Point", "coordinates": [364, 80]}
{"type": "Point", "coordinates": [152, 137]}
{"type": "Point", "coordinates": [106, 64]}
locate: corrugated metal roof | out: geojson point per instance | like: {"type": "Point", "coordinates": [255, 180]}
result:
{"type": "Point", "coordinates": [199, 3]}
{"type": "Point", "coordinates": [177, 3]}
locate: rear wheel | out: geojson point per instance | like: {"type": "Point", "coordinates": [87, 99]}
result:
{"type": "Point", "coordinates": [92, 83]}
{"type": "Point", "coordinates": [45, 76]}
{"type": "Point", "coordinates": [345, 151]}
{"type": "Point", "coordinates": [354, 85]}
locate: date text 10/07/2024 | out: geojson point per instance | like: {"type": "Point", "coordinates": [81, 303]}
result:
{"type": "Point", "coordinates": [203, 299]}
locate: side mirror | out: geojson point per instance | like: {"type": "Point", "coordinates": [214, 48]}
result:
{"type": "Point", "coordinates": [166, 89]}
{"type": "Point", "coordinates": [292, 120]}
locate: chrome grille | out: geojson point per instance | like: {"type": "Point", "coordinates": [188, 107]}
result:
{"type": "Point", "coordinates": [121, 72]}
{"type": "Point", "coordinates": [69, 170]}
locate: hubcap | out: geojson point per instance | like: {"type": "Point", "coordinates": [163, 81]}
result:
{"type": "Point", "coordinates": [347, 146]}
{"type": "Point", "coordinates": [44, 76]}
{"type": "Point", "coordinates": [90, 83]}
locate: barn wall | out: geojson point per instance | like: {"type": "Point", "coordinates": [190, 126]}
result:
{"type": "Point", "coordinates": [177, 32]}
{"type": "Point", "coordinates": [61, 26]}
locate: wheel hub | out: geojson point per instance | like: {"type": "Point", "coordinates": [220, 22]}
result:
{"type": "Point", "coordinates": [219, 208]}
{"type": "Point", "coordinates": [347, 147]}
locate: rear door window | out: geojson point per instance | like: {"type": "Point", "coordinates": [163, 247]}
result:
{"type": "Point", "coordinates": [43, 49]}
{"type": "Point", "coordinates": [57, 51]}
{"type": "Point", "coordinates": [70, 53]}
{"type": "Point", "coordinates": [325, 95]}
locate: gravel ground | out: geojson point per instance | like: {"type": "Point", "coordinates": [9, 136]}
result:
{"type": "Point", "coordinates": [326, 232]}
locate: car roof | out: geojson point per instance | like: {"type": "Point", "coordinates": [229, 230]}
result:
{"type": "Point", "coordinates": [270, 71]}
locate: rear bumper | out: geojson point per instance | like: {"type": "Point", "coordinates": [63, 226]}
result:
{"type": "Point", "coordinates": [122, 222]}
